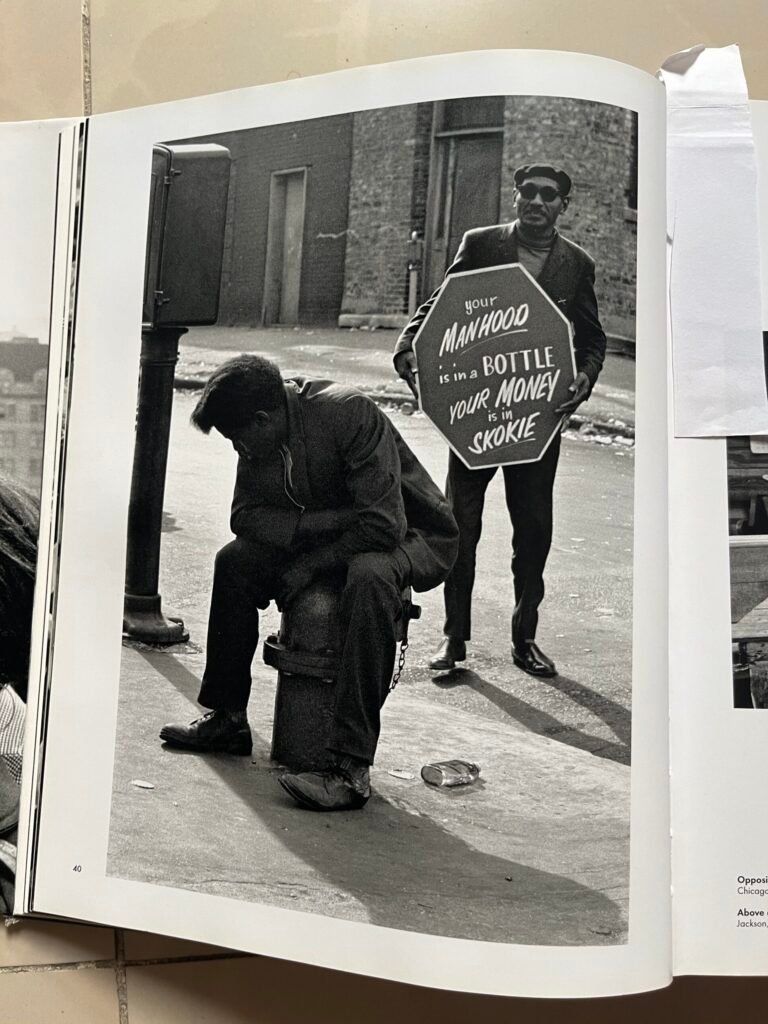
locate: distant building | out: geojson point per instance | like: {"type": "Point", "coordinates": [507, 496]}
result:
{"type": "Point", "coordinates": [322, 212]}
{"type": "Point", "coordinates": [23, 376]}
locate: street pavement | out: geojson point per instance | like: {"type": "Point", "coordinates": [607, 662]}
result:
{"type": "Point", "coordinates": [536, 851]}
{"type": "Point", "coordinates": [364, 359]}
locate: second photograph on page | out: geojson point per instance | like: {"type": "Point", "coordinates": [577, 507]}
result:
{"type": "Point", "coordinates": [377, 651]}
{"type": "Point", "coordinates": [748, 550]}
{"type": "Point", "coordinates": [747, 462]}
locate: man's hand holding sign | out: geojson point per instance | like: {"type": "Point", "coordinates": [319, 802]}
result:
{"type": "Point", "coordinates": [579, 390]}
{"type": "Point", "coordinates": [500, 357]}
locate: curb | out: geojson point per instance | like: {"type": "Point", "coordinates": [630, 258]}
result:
{"type": "Point", "coordinates": [586, 426]}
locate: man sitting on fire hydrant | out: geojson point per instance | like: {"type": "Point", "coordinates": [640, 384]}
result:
{"type": "Point", "coordinates": [325, 483]}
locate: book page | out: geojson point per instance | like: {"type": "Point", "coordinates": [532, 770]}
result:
{"type": "Point", "coordinates": [718, 637]}
{"type": "Point", "coordinates": [345, 200]}
{"type": "Point", "coordinates": [30, 329]}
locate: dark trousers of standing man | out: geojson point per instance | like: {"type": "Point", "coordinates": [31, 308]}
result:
{"type": "Point", "coordinates": [247, 576]}
{"type": "Point", "coordinates": [528, 489]}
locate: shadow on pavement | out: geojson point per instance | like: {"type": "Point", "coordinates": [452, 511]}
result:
{"type": "Point", "coordinates": [615, 715]}
{"type": "Point", "coordinates": [544, 724]}
{"type": "Point", "coordinates": [395, 860]}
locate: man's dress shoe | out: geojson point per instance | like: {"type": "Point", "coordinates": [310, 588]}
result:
{"type": "Point", "coordinates": [221, 732]}
{"type": "Point", "coordinates": [449, 652]}
{"type": "Point", "coordinates": [344, 787]}
{"type": "Point", "coordinates": [533, 661]}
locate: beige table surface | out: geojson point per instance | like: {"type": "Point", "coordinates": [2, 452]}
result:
{"type": "Point", "coordinates": [61, 57]}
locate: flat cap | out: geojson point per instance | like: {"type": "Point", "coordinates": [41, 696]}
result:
{"type": "Point", "coordinates": [544, 171]}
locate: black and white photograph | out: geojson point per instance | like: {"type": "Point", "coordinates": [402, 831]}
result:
{"type": "Point", "coordinates": [366, 674]}
{"type": "Point", "coordinates": [26, 217]}
{"type": "Point", "coordinates": [748, 550]}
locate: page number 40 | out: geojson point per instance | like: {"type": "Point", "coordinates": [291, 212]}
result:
{"type": "Point", "coordinates": [78, 868]}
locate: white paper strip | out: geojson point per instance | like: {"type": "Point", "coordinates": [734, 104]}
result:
{"type": "Point", "coordinates": [712, 223]}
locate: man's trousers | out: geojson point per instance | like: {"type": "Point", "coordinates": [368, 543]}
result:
{"type": "Point", "coordinates": [247, 576]}
{"type": "Point", "coordinates": [528, 488]}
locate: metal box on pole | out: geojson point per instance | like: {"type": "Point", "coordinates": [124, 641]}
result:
{"type": "Point", "coordinates": [185, 247]}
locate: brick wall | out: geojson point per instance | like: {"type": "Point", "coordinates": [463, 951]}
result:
{"type": "Point", "coordinates": [323, 146]}
{"type": "Point", "coordinates": [387, 201]}
{"type": "Point", "coordinates": [422, 154]}
{"type": "Point", "coordinates": [367, 190]}
{"type": "Point", "coordinates": [593, 142]}
{"type": "Point", "coordinates": [390, 179]}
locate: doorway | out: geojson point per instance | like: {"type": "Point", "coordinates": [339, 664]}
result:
{"type": "Point", "coordinates": [465, 178]}
{"type": "Point", "coordinates": [285, 236]}
{"type": "Point", "coordinates": [467, 196]}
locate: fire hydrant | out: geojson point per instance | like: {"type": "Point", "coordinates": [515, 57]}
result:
{"type": "Point", "coordinates": [306, 653]}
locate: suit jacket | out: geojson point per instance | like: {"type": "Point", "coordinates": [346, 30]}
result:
{"type": "Point", "coordinates": [343, 452]}
{"type": "Point", "coordinates": [567, 277]}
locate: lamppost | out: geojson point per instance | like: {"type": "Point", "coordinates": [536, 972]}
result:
{"type": "Point", "coordinates": [185, 245]}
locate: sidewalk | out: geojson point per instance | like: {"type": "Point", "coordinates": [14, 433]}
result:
{"type": "Point", "coordinates": [534, 852]}
{"type": "Point", "coordinates": [364, 359]}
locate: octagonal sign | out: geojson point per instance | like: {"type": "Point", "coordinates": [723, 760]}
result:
{"type": "Point", "coordinates": [495, 359]}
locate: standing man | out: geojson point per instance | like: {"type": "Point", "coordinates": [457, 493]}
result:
{"type": "Point", "coordinates": [567, 274]}
{"type": "Point", "coordinates": [325, 484]}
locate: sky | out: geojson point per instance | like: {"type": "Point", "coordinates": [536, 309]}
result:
{"type": "Point", "coordinates": [28, 158]}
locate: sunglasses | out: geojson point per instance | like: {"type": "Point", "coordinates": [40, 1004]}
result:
{"type": "Point", "coordinates": [547, 192]}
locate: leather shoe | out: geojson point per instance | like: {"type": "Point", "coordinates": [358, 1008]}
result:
{"type": "Point", "coordinates": [533, 661]}
{"type": "Point", "coordinates": [344, 787]}
{"type": "Point", "coordinates": [223, 732]}
{"type": "Point", "coordinates": [449, 652]}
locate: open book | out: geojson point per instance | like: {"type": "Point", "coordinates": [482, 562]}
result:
{"type": "Point", "coordinates": [498, 835]}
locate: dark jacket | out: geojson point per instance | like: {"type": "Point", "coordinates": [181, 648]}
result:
{"type": "Point", "coordinates": [344, 452]}
{"type": "Point", "coordinates": [12, 714]}
{"type": "Point", "coordinates": [9, 820]}
{"type": "Point", "coordinates": [567, 277]}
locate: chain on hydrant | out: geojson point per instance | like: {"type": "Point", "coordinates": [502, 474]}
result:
{"type": "Point", "coordinates": [400, 663]}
